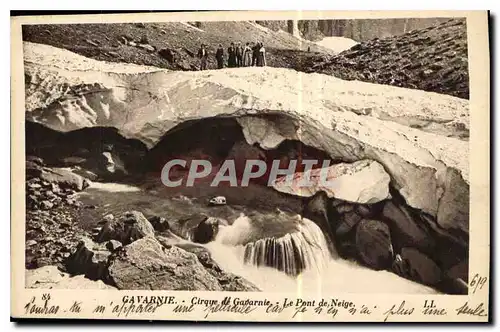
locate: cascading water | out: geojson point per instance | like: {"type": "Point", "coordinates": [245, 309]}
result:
{"type": "Point", "coordinates": [299, 261]}
{"type": "Point", "coordinates": [301, 250]}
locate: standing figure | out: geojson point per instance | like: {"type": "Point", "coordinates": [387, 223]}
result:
{"type": "Point", "coordinates": [247, 56]}
{"type": "Point", "coordinates": [255, 53]}
{"type": "Point", "coordinates": [203, 55]}
{"type": "Point", "coordinates": [231, 52]}
{"type": "Point", "coordinates": [239, 55]}
{"type": "Point", "coordinates": [219, 56]}
{"type": "Point", "coordinates": [261, 60]}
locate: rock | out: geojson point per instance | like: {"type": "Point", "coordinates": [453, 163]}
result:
{"type": "Point", "coordinates": [318, 209]}
{"type": "Point", "coordinates": [35, 160]}
{"type": "Point", "coordinates": [106, 218]}
{"type": "Point", "coordinates": [30, 243]}
{"type": "Point", "coordinates": [147, 47]}
{"type": "Point", "coordinates": [92, 42]}
{"type": "Point", "coordinates": [140, 25]}
{"type": "Point", "coordinates": [46, 205]}
{"type": "Point", "coordinates": [373, 243]}
{"type": "Point", "coordinates": [64, 178]}
{"type": "Point", "coordinates": [227, 280]}
{"type": "Point", "coordinates": [347, 222]}
{"type": "Point", "coordinates": [90, 259]}
{"type": "Point", "coordinates": [167, 54]}
{"type": "Point", "coordinates": [145, 264]}
{"type": "Point", "coordinates": [131, 43]}
{"type": "Point", "coordinates": [363, 181]}
{"type": "Point", "coordinates": [160, 224]}
{"type": "Point", "coordinates": [406, 231]}
{"type": "Point", "coordinates": [113, 245]}
{"type": "Point", "coordinates": [50, 277]}
{"type": "Point", "coordinates": [129, 227]}
{"type": "Point", "coordinates": [206, 230]}
{"type": "Point", "coordinates": [414, 265]}
{"type": "Point", "coordinates": [219, 200]}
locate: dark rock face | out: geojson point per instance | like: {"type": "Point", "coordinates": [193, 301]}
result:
{"type": "Point", "coordinates": [407, 232]}
{"type": "Point", "coordinates": [129, 227]}
{"type": "Point", "coordinates": [414, 265]}
{"type": "Point", "coordinates": [206, 230]}
{"type": "Point", "coordinates": [159, 224]}
{"type": "Point", "coordinates": [146, 264]}
{"type": "Point", "coordinates": [373, 243]}
{"type": "Point", "coordinates": [90, 259]}
{"type": "Point", "coordinates": [94, 153]}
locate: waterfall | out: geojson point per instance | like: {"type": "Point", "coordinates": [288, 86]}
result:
{"type": "Point", "coordinates": [299, 262]}
{"type": "Point", "coordinates": [291, 253]}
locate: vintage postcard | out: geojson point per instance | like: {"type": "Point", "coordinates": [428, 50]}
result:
{"type": "Point", "coordinates": [251, 166]}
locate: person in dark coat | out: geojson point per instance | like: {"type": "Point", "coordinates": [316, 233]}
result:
{"type": "Point", "coordinates": [261, 60]}
{"type": "Point", "coordinates": [203, 55]}
{"type": "Point", "coordinates": [255, 53]}
{"type": "Point", "coordinates": [231, 52]}
{"type": "Point", "coordinates": [239, 55]}
{"type": "Point", "coordinates": [219, 56]}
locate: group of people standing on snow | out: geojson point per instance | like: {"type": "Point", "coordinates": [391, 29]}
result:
{"type": "Point", "coordinates": [252, 54]}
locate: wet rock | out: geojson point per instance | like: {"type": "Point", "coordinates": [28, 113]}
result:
{"type": "Point", "coordinates": [363, 181]}
{"type": "Point", "coordinates": [373, 243]}
{"type": "Point", "coordinates": [127, 228]}
{"type": "Point", "coordinates": [50, 277]}
{"type": "Point", "coordinates": [146, 264]}
{"type": "Point", "coordinates": [347, 222]}
{"type": "Point", "coordinates": [407, 232]}
{"type": "Point", "coordinates": [414, 265]}
{"type": "Point", "coordinates": [206, 230]}
{"type": "Point", "coordinates": [318, 209]}
{"type": "Point", "coordinates": [160, 224]}
{"type": "Point", "coordinates": [90, 259]}
{"type": "Point", "coordinates": [64, 178]}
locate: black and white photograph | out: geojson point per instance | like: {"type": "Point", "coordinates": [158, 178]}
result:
{"type": "Point", "coordinates": [289, 156]}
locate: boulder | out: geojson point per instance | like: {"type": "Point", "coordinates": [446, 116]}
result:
{"type": "Point", "coordinates": [373, 243]}
{"type": "Point", "coordinates": [364, 181]}
{"type": "Point", "coordinates": [414, 265]}
{"type": "Point", "coordinates": [206, 230]}
{"type": "Point", "coordinates": [113, 245]}
{"type": "Point", "coordinates": [65, 178]}
{"type": "Point", "coordinates": [407, 232]}
{"type": "Point", "coordinates": [127, 228]}
{"type": "Point", "coordinates": [50, 277]}
{"type": "Point", "coordinates": [147, 47]}
{"type": "Point", "coordinates": [160, 224]}
{"type": "Point", "coordinates": [147, 265]}
{"type": "Point", "coordinates": [90, 259]}
{"type": "Point", "coordinates": [227, 280]}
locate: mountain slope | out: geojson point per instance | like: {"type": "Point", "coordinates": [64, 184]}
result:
{"type": "Point", "coordinates": [142, 43]}
{"type": "Point", "coordinates": [433, 59]}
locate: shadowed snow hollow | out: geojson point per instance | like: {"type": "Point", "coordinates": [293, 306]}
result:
{"type": "Point", "coordinates": [348, 120]}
